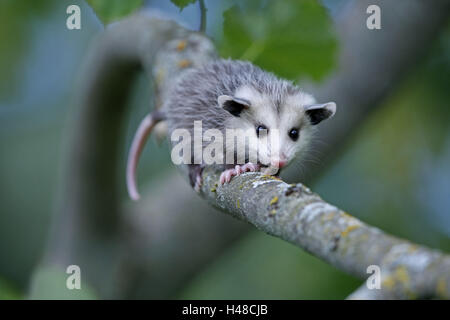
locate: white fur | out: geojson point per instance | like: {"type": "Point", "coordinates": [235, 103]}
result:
{"type": "Point", "coordinates": [263, 111]}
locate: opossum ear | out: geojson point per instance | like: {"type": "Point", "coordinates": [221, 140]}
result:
{"type": "Point", "coordinates": [320, 112]}
{"type": "Point", "coordinates": [232, 104]}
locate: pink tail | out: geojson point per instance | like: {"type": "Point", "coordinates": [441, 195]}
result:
{"type": "Point", "coordinates": [142, 133]}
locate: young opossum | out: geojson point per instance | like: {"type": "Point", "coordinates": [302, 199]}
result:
{"type": "Point", "coordinates": [230, 94]}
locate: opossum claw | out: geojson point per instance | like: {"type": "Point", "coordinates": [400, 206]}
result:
{"type": "Point", "coordinates": [237, 170]}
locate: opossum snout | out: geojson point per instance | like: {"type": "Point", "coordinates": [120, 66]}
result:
{"type": "Point", "coordinates": [279, 163]}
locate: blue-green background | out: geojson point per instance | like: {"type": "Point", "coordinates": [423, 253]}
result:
{"type": "Point", "coordinates": [394, 172]}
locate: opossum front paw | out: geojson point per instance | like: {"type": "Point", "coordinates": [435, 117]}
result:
{"type": "Point", "coordinates": [250, 167]}
{"type": "Point", "coordinates": [226, 175]}
{"type": "Point", "coordinates": [236, 171]}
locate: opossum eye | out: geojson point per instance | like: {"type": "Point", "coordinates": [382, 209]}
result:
{"type": "Point", "coordinates": [261, 129]}
{"type": "Point", "coordinates": [293, 134]}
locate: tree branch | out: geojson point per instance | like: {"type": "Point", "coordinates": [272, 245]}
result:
{"type": "Point", "coordinates": [295, 214]}
{"type": "Point", "coordinates": [90, 228]}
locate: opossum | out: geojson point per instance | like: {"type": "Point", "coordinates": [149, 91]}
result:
{"type": "Point", "coordinates": [231, 94]}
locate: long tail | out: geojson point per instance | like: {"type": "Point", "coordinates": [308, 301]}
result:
{"type": "Point", "coordinates": [145, 128]}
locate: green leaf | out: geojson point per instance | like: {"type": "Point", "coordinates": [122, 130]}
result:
{"type": "Point", "coordinates": [182, 3]}
{"type": "Point", "coordinates": [110, 10]}
{"type": "Point", "coordinates": [292, 38]}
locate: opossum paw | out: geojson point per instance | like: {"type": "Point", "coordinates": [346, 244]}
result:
{"type": "Point", "coordinates": [226, 175]}
{"type": "Point", "coordinates": [250, 167]}
{"type": "Point", "coordinates": [236, 171]}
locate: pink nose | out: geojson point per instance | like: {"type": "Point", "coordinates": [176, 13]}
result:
{"type": "Point", "coordinates": [279, 163]}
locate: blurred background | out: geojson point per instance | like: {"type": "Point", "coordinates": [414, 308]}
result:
{"type": "Point", "coordinates": [393, 172]}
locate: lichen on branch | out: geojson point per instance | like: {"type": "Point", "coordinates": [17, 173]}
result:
{"type": "Point", "coordinates": [294, 213]}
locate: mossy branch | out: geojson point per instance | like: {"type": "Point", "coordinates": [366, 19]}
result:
{"type": "Point", "coordinates": [295, 214]}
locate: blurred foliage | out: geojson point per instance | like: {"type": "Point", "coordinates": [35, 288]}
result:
{"type": "Point", "coordinates": [32, 121]}
{"type": "Point", "coordinates": [111, 10]}
{"type": "Point", "coordinates": [16, 17]}
{"type": "Point", "coordinates": [182, 3]}
{"type": "Point", "coordinates": [7, 292]}
{"type": "Point", "coordinates": [292, 38]}
{"type": "Point", "coordinates": [264, 267]}
{"type": "Point", "coordinates": [50, 283]}
{"type": "Point", "coordinates": [436, 70]}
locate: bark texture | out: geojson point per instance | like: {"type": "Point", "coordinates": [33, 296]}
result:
{"type": "Point", "coordinates": [295, 214]}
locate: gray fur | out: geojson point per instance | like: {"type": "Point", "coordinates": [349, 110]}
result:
{"type": "Point", "coordinates": [194, 97]}
{"type": "Point", "coordinates": [230, 94]}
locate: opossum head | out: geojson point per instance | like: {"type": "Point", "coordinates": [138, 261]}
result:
{"type": "Point", "coordinates": [278, 125]}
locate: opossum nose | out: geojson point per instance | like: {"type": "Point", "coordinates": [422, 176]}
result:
{"type": "Point", "coordinates": [280, 163]}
